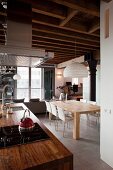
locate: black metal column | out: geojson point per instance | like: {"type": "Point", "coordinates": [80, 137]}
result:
{"type": "Point", "coordinates": [92, 68]}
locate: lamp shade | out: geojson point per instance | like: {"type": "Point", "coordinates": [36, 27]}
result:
{"type": "Point", "coordinates": [76, 70]}
{"type": "Point", "coordinates": [16, 77]}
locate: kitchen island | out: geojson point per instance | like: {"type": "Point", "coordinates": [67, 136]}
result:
{"type": "Point", "coordinates": [49, 154]}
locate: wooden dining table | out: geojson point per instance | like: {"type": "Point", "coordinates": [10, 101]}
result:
{"type": "Point", "coordinates": [77, 108]}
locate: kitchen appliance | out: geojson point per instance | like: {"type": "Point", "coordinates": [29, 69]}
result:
{"type": "Point", "coordinates": [11, 136]}
{"type": "Point", "coordinates": [26, 123]}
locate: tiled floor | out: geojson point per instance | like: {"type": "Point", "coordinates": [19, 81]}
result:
{"type": "Point", "coordinates": [86, 150]}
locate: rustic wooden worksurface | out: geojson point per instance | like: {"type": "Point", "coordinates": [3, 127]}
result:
{"type": "Point", "coordinates": [49, 154]}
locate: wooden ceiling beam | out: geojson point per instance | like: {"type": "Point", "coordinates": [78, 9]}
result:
{"type": "Point", "coordinates": [50, 49]}
{"type": "Point", "coordinates": [70, 15]}
{"type": "Point", "coordinates": [58, 61]}
{"type": "Point", "coordinates": [46, 8]}
{"type": "Point", "coordinates": [64, 53]}
{"type": "Point", "coordinates": [67, 33]}
{"type": "Point", "coordinates": [94, 26]}
{"type": "Point", "coordinates": [46, 20]}
{"type": "Point", "coordinates": [61, 43]}
{"type": "Point", "coordinates": [58, 49]}
{"type": "Point", "coordinates": [57, 56]}
{"type": "Point", "coordinates": [61, 59]}
{"type": "Point", "coordinates": [47, 13]}
{"type": "Point", "coordinates": [54, 22]}
{"type": "Point", "coordinates": [67, 39]}
{"type": "Point", "coordinates": [54, 46]}
{"type": "Point", "coordinates": [80, 5]}
{"type": "Point", "coordinates": [78, 28]}
{"type": "Point", "coordinates": [76, 37]}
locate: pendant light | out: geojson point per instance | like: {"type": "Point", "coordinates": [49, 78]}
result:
{"type": "Point", "coordinates": [16, 77]}
{"type": "Point", "coordinates": [76, 70]}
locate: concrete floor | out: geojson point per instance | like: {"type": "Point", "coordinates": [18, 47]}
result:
{"type": "Point", "coordinates": [86, 151]}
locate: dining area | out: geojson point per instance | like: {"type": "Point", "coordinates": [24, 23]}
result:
{"type": "Point", "coordinates": [86, 147]}
{"type": "Point", "coordinates": [71, 111]}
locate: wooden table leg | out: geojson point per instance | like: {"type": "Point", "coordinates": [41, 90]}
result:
{"type": "Point", "coordinates": [76, 126]}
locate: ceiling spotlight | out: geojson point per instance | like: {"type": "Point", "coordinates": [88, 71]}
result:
{"type": "Point", "coordinates": [4, 4]}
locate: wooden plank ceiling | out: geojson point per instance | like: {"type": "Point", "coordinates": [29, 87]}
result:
{"type": "Point", "coordinates": [68, 28]}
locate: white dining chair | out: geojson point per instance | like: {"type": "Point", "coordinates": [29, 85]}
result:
{"type": "Point", "coordinates": [65, 116]}
{"type": "Point", "coordinates": [48, 109]}
{"type": "Point", "coordinates": [83, 100]}
{"type": "Point", "coordinates": [55, 113]}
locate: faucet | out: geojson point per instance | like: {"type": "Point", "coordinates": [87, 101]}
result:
{"type": "Point", "coordinates": [3, 92]}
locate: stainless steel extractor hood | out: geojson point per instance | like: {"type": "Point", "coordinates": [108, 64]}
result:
{"type": "Point", "coordinates": [19, 38]}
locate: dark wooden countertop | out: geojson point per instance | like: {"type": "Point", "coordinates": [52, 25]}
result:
{"type": "Point", "coordinates": [42, 155]}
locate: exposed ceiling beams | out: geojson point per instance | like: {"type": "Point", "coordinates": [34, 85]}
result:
{"type": "Point", "coordinates": [88, 7]}
{"type": "Point", "coordinates": [69, 28]}
{"type": "Point", "coordinates": [70, 15]}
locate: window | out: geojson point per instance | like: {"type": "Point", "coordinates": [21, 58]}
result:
{"type": "Point", "coordinates": [29, 86]}
{"type": "Point", "coordinates": [35, 82]}
{"type": "Point", "coordinates": [23, 83]}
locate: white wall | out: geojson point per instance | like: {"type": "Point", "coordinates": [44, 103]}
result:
{"type": "Point", "coordinates": [59, 80]}
{"type": "Point", "coordinates": [106, 133]}
{"type": "Point", "coordinates": [86, 88]}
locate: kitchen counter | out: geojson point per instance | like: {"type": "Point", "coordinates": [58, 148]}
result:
{"type": "Point", "coordinates": [49, 154]}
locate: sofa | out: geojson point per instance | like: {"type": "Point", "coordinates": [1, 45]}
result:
{"type": "Point", "coordinates": [36, 106]}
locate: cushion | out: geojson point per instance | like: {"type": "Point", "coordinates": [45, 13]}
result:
{"type": "Point", "coordinates": [18, 100]}
{"type": "Point", "coordinates": [35, 100]}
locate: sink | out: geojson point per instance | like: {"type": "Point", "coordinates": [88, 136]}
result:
{"type": "Point", "coordinates": [17, 108]}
